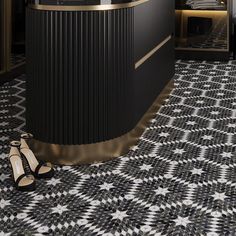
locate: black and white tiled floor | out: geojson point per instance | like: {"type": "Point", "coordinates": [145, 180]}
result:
{"type": "Point", "coordinates": [179, 180]}
{"type": "Point", "coordinates": [17, 59]}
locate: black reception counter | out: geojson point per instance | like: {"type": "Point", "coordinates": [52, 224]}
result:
{"type": "Point", "coordinates": [96, 71]}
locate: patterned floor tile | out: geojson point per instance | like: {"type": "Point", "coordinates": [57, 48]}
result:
{"type": "Point", "coordinates": [179, 179]}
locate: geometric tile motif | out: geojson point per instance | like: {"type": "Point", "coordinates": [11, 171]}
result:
{"type": "Point", "coordinates": [17, 58]}
{"type": "Point", "coordinates": [180, 179]}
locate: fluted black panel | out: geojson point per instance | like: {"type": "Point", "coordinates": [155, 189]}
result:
{"type": "Point", "coordinates": [80, 69]}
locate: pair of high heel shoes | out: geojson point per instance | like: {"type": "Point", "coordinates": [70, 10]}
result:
{"type": "Point", "coordinates": [39, 169]}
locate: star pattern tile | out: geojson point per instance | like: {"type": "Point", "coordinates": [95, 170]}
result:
{"type": "Point", "coordinates": [179, 179]}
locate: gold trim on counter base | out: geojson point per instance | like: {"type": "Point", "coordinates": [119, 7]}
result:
{"type": "Point", "coordinates": [153, 51]}
{"type": "Point", "coordinates": [104, 7]}
{"type": "Point", "coordinates": [202, 49]}
{"type": "Point", "coordinates": [103, 151]}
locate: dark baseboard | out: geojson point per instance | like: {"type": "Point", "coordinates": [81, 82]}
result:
{"type": "Point", "coordinates": [202, 55]}
{"type": "Point", "coordinates": [9, 76]}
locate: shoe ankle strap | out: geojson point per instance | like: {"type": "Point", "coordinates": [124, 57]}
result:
{"type": "Point", "coordinates": [15, 144]}
{"type": "Point", "coordinates": [27, 136]}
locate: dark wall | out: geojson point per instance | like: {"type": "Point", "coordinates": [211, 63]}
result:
{"type": "Point", "coordinates": [18, 26]}
{"type": "Point", "coordinates": [1, 35]}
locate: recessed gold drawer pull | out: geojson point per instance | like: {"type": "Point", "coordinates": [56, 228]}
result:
{"type": "Point", "coordinates": [153, 51]}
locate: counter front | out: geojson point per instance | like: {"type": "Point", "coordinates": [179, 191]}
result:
{"type": "Point", "coordinates": [93, 75]}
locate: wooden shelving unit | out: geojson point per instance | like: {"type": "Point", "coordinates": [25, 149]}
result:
{"type": "Point", "coordinates": [200, 31]}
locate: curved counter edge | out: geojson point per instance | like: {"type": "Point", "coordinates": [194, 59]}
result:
{"type": "Point", "coordinates": [86, 8]}
{"type": "Point", "coordinates": [102, 151]}
{"type": "Point", "coordinates": [137, 61]}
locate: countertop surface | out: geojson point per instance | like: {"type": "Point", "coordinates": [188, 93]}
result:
{"type": "Point", "coordinates": [79, 2]}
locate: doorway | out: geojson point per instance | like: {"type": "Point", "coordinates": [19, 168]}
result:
{"type": "Point", "coordinates": [12, 38]}
{"type": "Point", "coordinates": [17, 33]}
